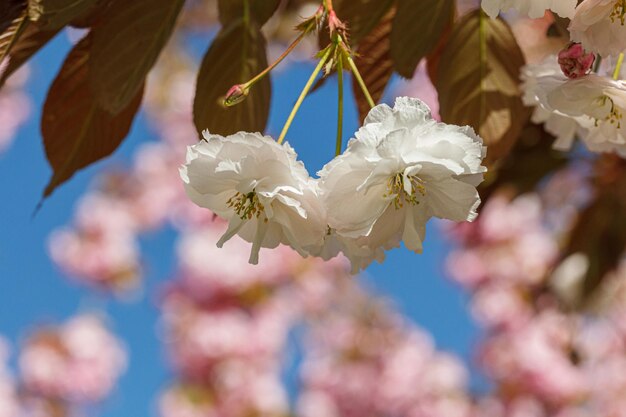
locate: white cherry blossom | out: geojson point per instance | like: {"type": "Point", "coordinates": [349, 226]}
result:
{"type": "Point", "coordinates": [563, 127]}
{"type": "Point", "coordinates": [259, 187]}
{"type": "Point", "coordinates": [597, 103]}
{"type": "Point", "coordinates": [599, 25]}
{"type": "Point", "coordinates": [402, 168]}
{"type": "Point", "coordinates": [533, 8]}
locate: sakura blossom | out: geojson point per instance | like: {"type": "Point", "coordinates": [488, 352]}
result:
{"type": "Point", "coordinates": [402, 169]}
{"type": "Point", "coordinates": [599, 26]}
{"type": "Point", "coordinates": [596, 102]}
{"type": "Point", "coordinates": [533, 8]}
{"type": "Point", "coordinates": [259, 187]}
{"type": "Point", "coordinates": [9, 402]}
{"type": "Point", "coordinates": [564, 128]}
{"type": "Point", "coordinates": [15, 107]}
{"type": "Point", "coordinates": [78, 362]}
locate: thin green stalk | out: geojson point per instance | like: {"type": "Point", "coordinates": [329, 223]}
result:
{"type": "Point", "coordinates": [303, 94]}
{"type": "Point", "coordinates": [340, 107]}
{"type": "Point", "coordinates": [357, 76]}
{"type": "Point", "coordinates": [618, 67]}
{"type": "Point", "coordinates": [275, 64]}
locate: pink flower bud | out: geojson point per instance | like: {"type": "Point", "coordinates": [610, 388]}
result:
{"type": "Point", "coordinates": [575, 62]}
{"type": "Point", "coordinates": [236, 95]}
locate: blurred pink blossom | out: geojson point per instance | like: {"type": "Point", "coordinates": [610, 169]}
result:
{"type": "Point", "coordinates": [80, 361]}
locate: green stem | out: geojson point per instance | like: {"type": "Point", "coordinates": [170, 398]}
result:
{"type": "Point", "coordinates": [596, 64]}
{"type": "Point", "coordinates": [303, 94]}
{"type": "Point", "coordinates": [340, 107]}
{"type": "Point", "coordinates": [618, 67]}
{"type": "Point", "coordinates": [275, 64]}
{"type": "Point", "coordinates": [357, 76]}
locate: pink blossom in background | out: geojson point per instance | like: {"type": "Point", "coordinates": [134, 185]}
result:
{"type": "Point", "coordinates": [362, 359]}
{"type": "Point", "coordinates": [101, 249]}
{"type": "Point", "coordinates": [507, 243]}
{"type": "Point", "coordinates": [15, 107]}
{"type": "Point", "coordinates": [79, 361]}
{"type": "Point", "coordinates": [9, 403]}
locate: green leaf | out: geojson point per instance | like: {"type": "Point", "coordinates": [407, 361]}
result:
{"type": "Point", "coordinates": [236, 55]}
{"type": "Point", "coordinates": [76, 130]}
{"type": "Point", "coordinates": [31, 41]}
{"type": "Point", "coordinates": [478, 82]}
{"type": "Point", "coordinates": [361, 16]}
{"type": "Point", "coordinates": [126, 45]}
{"type": "Point", "coordinates": [373, 59]}
{"type": "Point", "coordinates": [417, 28]}
{"type": "Point", "coordinates": [54, 14]}
{"type": "Point", "coordinates": [260, 10]}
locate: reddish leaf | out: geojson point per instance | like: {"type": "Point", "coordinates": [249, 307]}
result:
{"type": "Point", "coordinates": [126, 45]}
{"type": "Point", "coordinates": [236, 55]}
{"type": "Point", "coordinates": [478, 82]}
{"type": "Point", "coordinates": [54, 14]}
{"type": "Point", "coordinates": [76, 130]}
{"type": "Point", "coordinates": [29, 43]}
{"type": "Point", "coordinates": [260, 10]}
{"type": "Point", "coordinates": [14, 22]}
{"type": "Point", "coordinates": [417, 29]}
{"type": "Point", "coordinates": [374, 63]}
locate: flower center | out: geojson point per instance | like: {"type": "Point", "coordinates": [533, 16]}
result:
{"type": "Point", "coordinates": [246, 206]}
{"type": "Point", "coordinates": [395, 188]}
{"type": "Point", "coordinates": [615, 115]}
{"type": "Point", "coordinates": [619, 11]}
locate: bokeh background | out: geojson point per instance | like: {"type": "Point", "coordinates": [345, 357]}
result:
{"type": "Point", "coordinates": [34, 291]}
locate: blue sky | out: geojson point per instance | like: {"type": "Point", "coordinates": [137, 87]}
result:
{"type": "Point", "coordinates": [33, 291]}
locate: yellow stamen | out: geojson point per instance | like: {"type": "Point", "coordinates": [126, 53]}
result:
{"type": "Point", "coordinates": [619, 12]}
{"type": "Point", "coordinates": [395, 188]}
{"type": "Point", "coordinates": [246, 206]}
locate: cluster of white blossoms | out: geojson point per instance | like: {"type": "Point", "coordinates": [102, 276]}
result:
{"type": "Point", "coordinates": [532, 8]}
{"type": "Point", "coordinates": [401, 169]}
{"type": "Point", "coordinates": [590, 107]}
{"type": "Point", "coordinates": [599, 25]}
{"type": "Point", "coordinates": [569, 98]}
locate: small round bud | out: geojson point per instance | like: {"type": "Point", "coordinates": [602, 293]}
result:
{"type": "Point", "coordinates": [236, 95]}
{"type": "Point", "coordinates": [575, 62]}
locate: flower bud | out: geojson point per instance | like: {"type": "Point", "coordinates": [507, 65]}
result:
{"type": "Point", "coordinates": [236, 95]}
{"type": "Point", "coordinates": [575, 62]}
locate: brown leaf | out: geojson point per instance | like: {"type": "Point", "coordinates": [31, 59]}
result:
{"type": "Point", "coordinates": [361, 16]}
{"type": "Point", "coordinates": [12, 32]}
{"type": "Point", "coordinates": [374, 63]}
{"type": "Point", "coordinates": [530, 161]}
{"type": "Point", "coordinates": [600, 231]}
{"type": "Point", "coordinates": [260, 10]}
{"type": "Point", "coordinates": [126, 45]}
{"type": "Point", "coordinates": [236, 55]}
{"type": "Point", "coordinates": [9, 11]}
{"type": "Point", "coordinates": [31, 41]}
{"type": "Point", "coordinates": [478, 82]}
{"type": "Point", "coordinates": [54, 14]}
{"type": "Point", "coordinates": [76, 130]}
{"type": "Point", "coordinates": [417, 28]}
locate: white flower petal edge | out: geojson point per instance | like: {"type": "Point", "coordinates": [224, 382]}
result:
{"type": "Point", "coordinates": [402, 168]}
{"type": "Point", "coordinates": [533, 8]}
{"type": "Point", "coordinates": [259, 186]}
{"type": "Point", "coordinates": [596, 103]}
{"type": "Point", "coordinates": [599, 25]}
{"type": "Point", "coordinates": [563, 127]}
